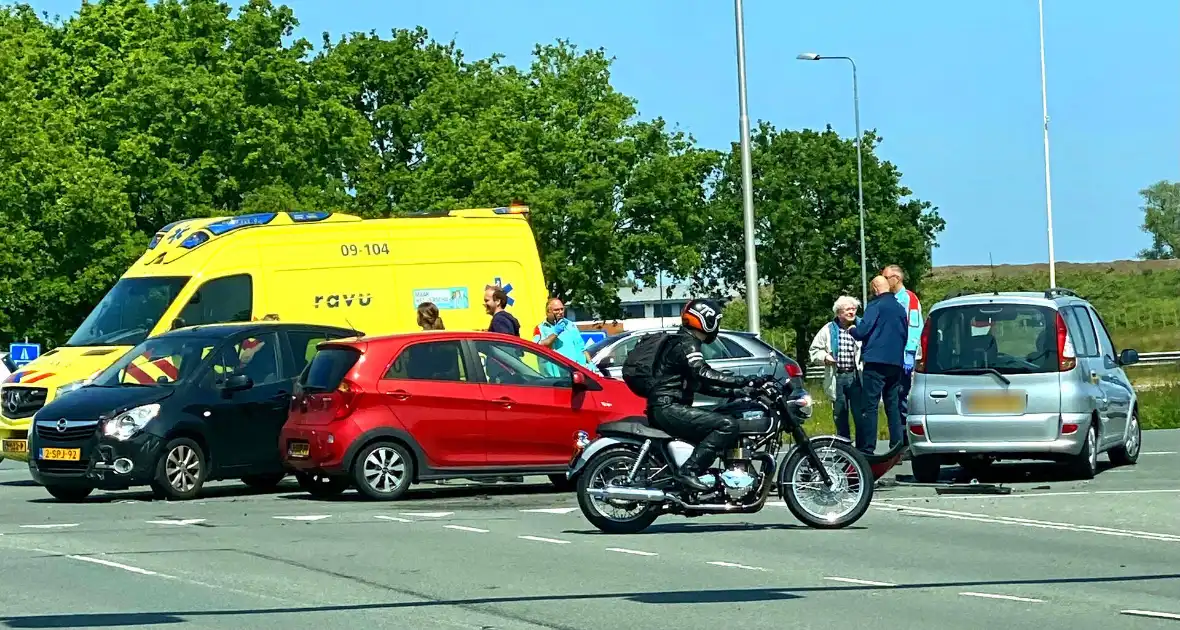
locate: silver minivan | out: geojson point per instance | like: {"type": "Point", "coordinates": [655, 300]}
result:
{"type": "Point", "coordinates": [1020, 376]}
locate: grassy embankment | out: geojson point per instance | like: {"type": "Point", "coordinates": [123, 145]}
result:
{"type": "Point", "coordinates": [1139, 300]}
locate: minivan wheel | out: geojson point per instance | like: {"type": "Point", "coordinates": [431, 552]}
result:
{"type": "Point", "coordinates": [926, 468]}
{"type": "Point", "coordinates": [69, 494]}
{"type": "Point", "coordinates": [180, 471]}
{"type": "Point", "coordinates": [1085, 464]}
{"type": "Point", "coordinates": [383, 471]}
{"type": "Point", "coordinates": [1127, 453]}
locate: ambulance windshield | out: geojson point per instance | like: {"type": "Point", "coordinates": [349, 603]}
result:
{"type": "Point", "coordinates": [129, 312]}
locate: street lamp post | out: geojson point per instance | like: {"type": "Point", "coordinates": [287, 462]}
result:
{"type": "Point", "coordinates": [752, 293]}
{"type": "Point", "coordinates": [860, 186]}
{"type": "Point", "coordinates": [1045, 114]}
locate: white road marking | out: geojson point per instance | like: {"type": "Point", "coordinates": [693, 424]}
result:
{"type": "Point", "coordinates": [463, 528]}
{"type": "Point", "coordinates": [856, 581]}
{"type": "Point", "coordinates": [428, 514]}
{"type": "Point", "coordinates": [562, 510]}
{"type": "Point", "coordinates": [1151, 613]}
{"type": "Point", "coordinates": [310, 517]}
{"type": "Point", "coordinates": [118, 565]}
{"type": "Point", "coordinates": [547, 540]}
{"type": "Point", "coordinates": [50, 526]}
{"type": "Point", "coordinates": [631, 551]}
{"type": "Point", "coordinates": [392, 518]}
{"type": "Point", "coordinates": [1011, 598]}
{"type": "Point", "coordinates": [1158, 453]}
{"type": "Point", "coordinates": [187, 521]}
{"type": "Point", "coordinates": [1009, 520]}
{"type": "Point", "coordinates": [1028, 495]}
{"type": "Point", "coordinates": [737, 566]}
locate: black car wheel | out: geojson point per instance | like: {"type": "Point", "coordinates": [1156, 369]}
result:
{"type": "Point", "coordinates": [181, 470]}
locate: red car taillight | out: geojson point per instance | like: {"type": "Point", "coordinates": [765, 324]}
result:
{"type": "Point", "coordinates": [345, 398]}
{"type": "Point", "coordinates": [923, 347]}
{"type": "Point", "coordinates": [793, 371]}
{"type": "Point", "coordinates": [1067, 358]}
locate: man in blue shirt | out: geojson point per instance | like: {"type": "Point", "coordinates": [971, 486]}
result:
{"type": "Point", "coordinates": [882, 332]}
{"type": "Point", "coordinates": [560, 335]}
{"type": "Point", "coordinates": [913, 308]}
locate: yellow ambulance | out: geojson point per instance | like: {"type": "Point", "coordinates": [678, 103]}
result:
{"type": "Point", "coordinates": [314, 267]}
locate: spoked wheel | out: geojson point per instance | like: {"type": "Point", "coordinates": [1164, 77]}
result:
{"type": "Point", "coordinates": [828, 507]}
{"type": "Point", "coordinates": [610, 468]}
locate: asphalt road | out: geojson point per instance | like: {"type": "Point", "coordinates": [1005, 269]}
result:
{"type": "Point", "coordinates": [1053, 554]}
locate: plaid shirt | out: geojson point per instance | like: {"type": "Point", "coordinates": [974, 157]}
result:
{"type": "Point", "coordinates": [846, 352]}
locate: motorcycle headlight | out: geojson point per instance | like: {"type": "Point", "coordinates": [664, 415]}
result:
{"type": "Point", "coordinates": [125, 425]}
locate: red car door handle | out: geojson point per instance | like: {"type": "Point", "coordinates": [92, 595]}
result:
{"type": "Point", "coordinates": [506, 402]}
{"type": "Point", "coordinates": [398, 394]}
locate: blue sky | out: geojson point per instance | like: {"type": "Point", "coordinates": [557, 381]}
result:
{"type": "Point", "coordinates": [953, 87]}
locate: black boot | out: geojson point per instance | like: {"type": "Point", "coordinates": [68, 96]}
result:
{"type": "Point", "coordinates": [689, 473]}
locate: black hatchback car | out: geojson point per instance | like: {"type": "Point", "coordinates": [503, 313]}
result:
{"type": "Point", "coordinates": [189, 406]}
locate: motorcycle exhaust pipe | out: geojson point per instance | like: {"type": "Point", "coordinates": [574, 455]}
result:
{"type": "Point", "coordinates": [615, 493]}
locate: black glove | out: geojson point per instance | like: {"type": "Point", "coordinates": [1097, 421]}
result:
{"type": "Point", "coordinates": [759, 381]}
{"type": "Point", "coordinates": [747, 392]}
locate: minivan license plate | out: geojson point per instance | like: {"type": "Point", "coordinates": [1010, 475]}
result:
{"type": "Point", "coordinates": [994, 403]}
{"type": "Point", "coordinates": [61, 454]}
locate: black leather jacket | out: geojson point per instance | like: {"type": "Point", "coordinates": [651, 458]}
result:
{"type": "Point", "coordinates": [681, 371]}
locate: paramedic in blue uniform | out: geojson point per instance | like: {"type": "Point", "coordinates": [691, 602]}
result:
{"type": "Point", "coordinates": [561, 335]}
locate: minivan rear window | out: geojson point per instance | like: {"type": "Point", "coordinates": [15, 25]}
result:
{"type": "Point", "coordinates": [1008, 338]}
{"type": "Point", "coordinates": [328, 368]}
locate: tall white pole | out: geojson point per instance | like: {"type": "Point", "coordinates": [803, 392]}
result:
{"type": "Point", "coordinates": [752, 292]}
{"type": "Point", "coordinates": [1048, 185]}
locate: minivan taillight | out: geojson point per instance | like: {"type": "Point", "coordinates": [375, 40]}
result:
{"type": "Point", "coordinates": [923, 346]}
{"type": "Point", "coordinates": [1067, 359]}
{"type": "Point", "coordinates": [344, 399]}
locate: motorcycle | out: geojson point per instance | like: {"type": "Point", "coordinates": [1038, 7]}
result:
{"type": "Point", "coordinates": [825, 481]}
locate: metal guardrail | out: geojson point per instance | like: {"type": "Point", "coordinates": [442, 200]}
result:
{"type": "Point", "coordinates": [816, 371]}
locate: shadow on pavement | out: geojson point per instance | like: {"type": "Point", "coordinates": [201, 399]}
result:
{"type": "Point", "coordinates": [1011, 473]}
{"type": "Point", "coordinates": [692, 528]}
{"type": "Point", "coordinates": [428, 491]}
{"type": "Point", "coordinates": [228, 491]}
{"type": "Point", "coordinates": [729, 596]}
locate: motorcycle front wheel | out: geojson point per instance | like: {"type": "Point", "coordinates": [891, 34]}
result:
{"type": "Point", "coordinates": [610, 467]}
{"type": "Point", "coordinates": [827, 507]}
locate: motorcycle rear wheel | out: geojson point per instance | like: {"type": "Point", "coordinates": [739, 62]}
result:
{"type": "Point", "coordinates": [851, 468]}
{"type": "Point", "coordinates": [610, 467]}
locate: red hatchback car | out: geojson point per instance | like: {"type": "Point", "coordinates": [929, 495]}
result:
{"type": "Point", "coordinates": [382, 413]}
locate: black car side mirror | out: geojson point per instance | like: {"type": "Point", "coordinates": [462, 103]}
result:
{"type": "Point", "coordinates": [237, 383]}
{"type": "Point", "coordinates": [1128, 357]}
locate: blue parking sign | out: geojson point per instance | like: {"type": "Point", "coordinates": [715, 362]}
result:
{"type": "Point", "coordinates": [593, 336]}
{"type": "Point", "coordinates": [23, 354]}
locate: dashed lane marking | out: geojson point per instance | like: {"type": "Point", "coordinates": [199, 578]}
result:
{"type": "Point", "coordinates": [464, 528]}
{"type": "Point", "coordinates": [1011, 598]}
{"type": "Point", "coordinates": [545, 540]}
{"type": "Point", "coordinates": [1150, 613]}
{"type": "Point", "coordinates": [118, 565]}
{"type": "Point", "coordinates": [737, 566]}
{"type": "Point", "coordinates": [396, 519]}
{"type": "Point", "coordinates": [186, 521]}
{"type": "Point", "coordinates": [429, 514]}
{"type": "Point", "coordinates": [560, 510]}
{"type": "Point", "coordinates": [631, 551]}
{"type": "Point", "coordinates": [50, 526]}
{"type": "Point", "coordinates": [856, 581]}
{"type": "Point", "coordinates": [309, 517]}
{"type": "Point", "coordinates": [1025, 522]}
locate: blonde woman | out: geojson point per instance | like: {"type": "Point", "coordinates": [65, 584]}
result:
{"type": "Point", "coordinates": [839, 353]}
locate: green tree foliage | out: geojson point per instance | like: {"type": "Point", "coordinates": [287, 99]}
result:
{"type": "Point", "coordinates": [1161, 219]}
{"type": "Point", "coordinates": [807, 224]}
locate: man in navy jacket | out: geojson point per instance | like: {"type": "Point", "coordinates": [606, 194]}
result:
{"type": "Point", "coordinates": [883, 334]}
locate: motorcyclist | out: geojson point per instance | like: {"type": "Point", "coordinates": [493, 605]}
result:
{"type": "Point", "coordinates": [678, 373]}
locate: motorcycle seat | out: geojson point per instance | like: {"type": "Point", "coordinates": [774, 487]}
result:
{"type": "Point", "coordinates": [635, 426]}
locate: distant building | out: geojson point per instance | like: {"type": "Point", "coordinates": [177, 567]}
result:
{"type": "Point", "coordinates": [649, 302]}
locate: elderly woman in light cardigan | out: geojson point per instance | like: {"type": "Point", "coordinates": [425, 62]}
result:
{"type": "Point", "coordinates": [840, 355]}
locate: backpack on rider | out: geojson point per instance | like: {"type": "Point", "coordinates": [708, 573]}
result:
{"type": "Point", "coordinates": [639, 368]}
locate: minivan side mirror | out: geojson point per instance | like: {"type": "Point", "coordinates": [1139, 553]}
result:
{"type": "Point", "coordinates": [1128, 357]}
{"type": "Point", "coordinates": [237, 383]}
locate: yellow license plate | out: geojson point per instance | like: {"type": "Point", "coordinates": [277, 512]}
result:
{"type": "Point", "coordinates": [14, 446]}
{"type": "Point", "coordinates": [61, 454]}
{"type": "Point", "coordinates": [1006, 403]}
{"type": "Point", "coordinates": [298, 449]}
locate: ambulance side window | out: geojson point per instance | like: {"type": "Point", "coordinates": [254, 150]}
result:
{"type": "Point", "coordinates": [228, 299]}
